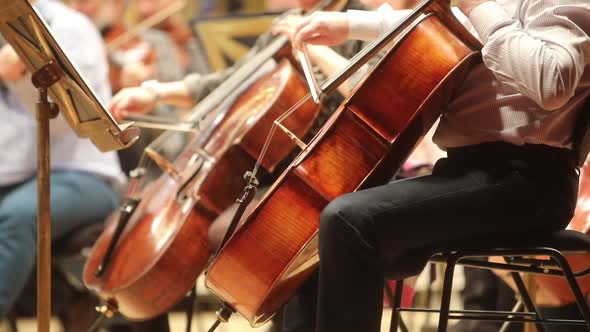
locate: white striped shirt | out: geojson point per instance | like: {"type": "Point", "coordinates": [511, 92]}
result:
{"type": "Point", "coordinates": [533, 80]}
{"type": "Point", "coordinates": [18, 156]}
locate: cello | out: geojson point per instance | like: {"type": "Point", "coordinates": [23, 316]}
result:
{"type": "Point", "coordinates": [155, 246]}
{"type": "Point", "coordinates": [368, 138]}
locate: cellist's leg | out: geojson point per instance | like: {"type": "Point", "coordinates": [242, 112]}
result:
{"type": "Point", "coordinates": [76, 199]}
{"type": "Point", "coordinates": [17, 250]}
{"type": "Point", "coordinates": [367, 235]}
{"type": "Point", "coordinates": [299, 315]}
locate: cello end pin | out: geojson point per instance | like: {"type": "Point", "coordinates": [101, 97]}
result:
{"type": "Point", "coordinates": [224, 314]}
{"type": "Point", "coordinates": [108, 309]}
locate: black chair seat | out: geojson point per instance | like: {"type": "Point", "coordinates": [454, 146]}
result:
{"type": "Point", "coordinates": [524, 252]}
{"type": "Point", "coordinates": [566, 241]}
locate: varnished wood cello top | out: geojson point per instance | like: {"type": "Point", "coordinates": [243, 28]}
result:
{"type": "Point", "coordinates": [362, 144]}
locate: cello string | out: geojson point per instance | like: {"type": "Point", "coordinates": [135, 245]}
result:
{"type": "Point", "coordinates": [245, 71]}
{"type": "Point", "coordinates": [272, 132]}
{"type": "Point", "coordinates": [206, 107]}
{"type": "Point", "coordinates": [163, 126]}
{"type": "Point", "coordinates": [157, 119]}
{"type": "Point", "coordinates": [332, 82]}
{"type": "Point", "coordinates": [356, 62]}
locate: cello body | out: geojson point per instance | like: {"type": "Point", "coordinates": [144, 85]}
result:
{"type": "Point", "coordinates": [362, 145]}
{"type": "Point", "coordinates": [164, 247]}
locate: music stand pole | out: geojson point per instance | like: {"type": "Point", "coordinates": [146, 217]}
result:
{"type": "Point", "coordinates": [54, 75]}
{"type": "Point", "coordinates": [45, 111]}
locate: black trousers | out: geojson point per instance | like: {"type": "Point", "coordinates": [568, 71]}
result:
{"type": "Point", "coordinates": [390, 231]}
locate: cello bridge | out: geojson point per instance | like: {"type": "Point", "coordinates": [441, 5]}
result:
{"type": "Point", "coordinates": [292, 136]}
{"type": "Point", "coordinates": [164, 164]}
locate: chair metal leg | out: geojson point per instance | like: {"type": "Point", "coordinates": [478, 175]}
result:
{"type": "Point", "coordinates": [506, 325]}
{"type": "Point", "coordinates": [445, 302]}
{"type": "Point", "coordinates": [395, 305]}
{"type": "Point", "coordinates": [526, 298]}
{"type": "Point", "coordinates": [12, 325]}
{"type": "Point", "coordinates": [403, 326]}
{"type": "Point", "coordinates": [569, 275]}
{"type": "Point", "coordinates": [190, 309]}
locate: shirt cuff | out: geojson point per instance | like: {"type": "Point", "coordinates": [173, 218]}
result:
{"type": "Point", "coordinates": [193, 84]}
{"type": "Point", "coordinates": [486, 17]}
{"type": "Point", "coordinates": [363, 25]}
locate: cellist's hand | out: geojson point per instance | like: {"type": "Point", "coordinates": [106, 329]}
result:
{"type": "Point", "coordinates": [321, 28]}
{"type": "Point", "coordinates": [132, 100]}
{"type": "Point", "coordinates": [134, 74]}
{"type": "Point", "coordinates": [11, 66]}
{"type": "Point", "coordinates": [287, 26]}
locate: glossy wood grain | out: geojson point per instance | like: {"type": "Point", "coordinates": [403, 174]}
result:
{"type": "Point", "coordinates": [164, 247]}
{"type": "Point", "coordinates": [269, 257]}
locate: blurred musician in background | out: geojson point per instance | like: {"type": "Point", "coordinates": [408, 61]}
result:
{"type": "Point", "coordinates": [195, 86]}
{"type": "Point", "coordinates": [186, 46]}
{"type": "Point", "coordinates": [149, 55]}
{"type": "Point", "coordinates": [133, 60]}
{"type": "Point", "coordinates": [82, 178]}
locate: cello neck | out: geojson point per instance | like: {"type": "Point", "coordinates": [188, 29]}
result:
{"type": "Point", "coordinates": [439, 7]}
{"type": "Point", "coordinates": [245, 71]}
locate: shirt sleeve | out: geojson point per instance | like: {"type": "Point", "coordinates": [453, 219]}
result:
{"type": "Point", "coordinates": [167, 62]}
{"type": "Point", "coordinates": [368, 25]}
{"type": "Point", "coordinates": [541, 51]}
{"type": "Point", "coordinates": [199, 86]}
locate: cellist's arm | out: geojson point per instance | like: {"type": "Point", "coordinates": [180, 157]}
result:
{"type": "Point", "coordinates": [329, 62]}
{"type": "Point", "coordinates": [142, 100]}
{"type": "Point", "coordinates": [184, 93]}
{"type": "Point", "coordinates": [368, 25]}
{"type": "Point", "coordinates": [328, 28]}
{"type": "Point", "coordinates": [546, 43]}
{"type": "Point", "coordinates": [326, 59]}
{"type": "Point", "coordinates": [11, 66]}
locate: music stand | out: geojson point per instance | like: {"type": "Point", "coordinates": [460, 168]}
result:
{"type": "Point", "coordinates": [54, 76]}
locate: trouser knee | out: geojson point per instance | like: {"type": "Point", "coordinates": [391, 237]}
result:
{"type": "Point", "coordinates": [341, 223]}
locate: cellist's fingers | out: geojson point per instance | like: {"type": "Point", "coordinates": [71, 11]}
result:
{"type": "Point", "coordinates": [322, 28]}
{"type": "Point", "coordinates": [287, 26]}
{"type": "Point", "coordinates": [131, 100]}
{"type": "Point", "coordinates": [116, 109]}
{"type": "Point", "coordinates": [11, 66]}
